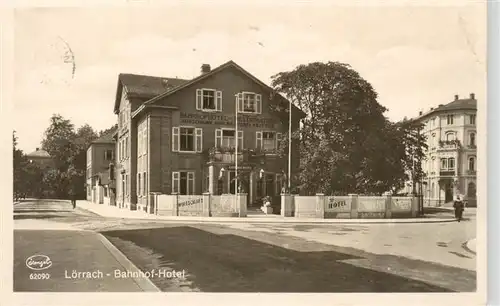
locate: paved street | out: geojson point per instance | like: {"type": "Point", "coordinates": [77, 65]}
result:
{"type": "Point", "coordinates": [246, 257]}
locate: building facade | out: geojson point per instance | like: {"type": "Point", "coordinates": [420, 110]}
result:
{"type": "Point", "coordinates": [100, 170]}
{"type": "Point", "coordinates": [41, 158]}
{"type": "Point", "coordinates": [451, 159]}
{"type": "Point", "coordinates": [179, 136]}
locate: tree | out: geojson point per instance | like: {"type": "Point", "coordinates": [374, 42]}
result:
{"type": "Point", "coordinates": [58, 141]}
{"type": "Point", "coordinates": [346, 143]}
{"type": "Point", "coordinates": [102, 132]}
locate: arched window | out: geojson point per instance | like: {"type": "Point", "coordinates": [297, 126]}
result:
{"type": "Point", "coordinates": [450, 136]}
{"type": "Point", "coordinates": [472, 163]}
{"type": "Point", "coordinates": [472, 139]}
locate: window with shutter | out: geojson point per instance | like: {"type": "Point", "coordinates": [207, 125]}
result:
{"type": "Point", "coordinates": [175, 139]}
{"type": "Point", "coordinates": [199, 140]}
{"type": "Point", "coordinates": [199, 99]}
{"type": "Point", "coordinates": [190, 189]}
{"type": "Point", "coordinates": [240, 140]}
{"type": "Point", "coordinates": [258, 140]}
{"type": "Point", "coordinates": [278, 140]}
{"type": "Point", "coordinates": [239, 102]}
{"type": "Point", "coordinates": [258, 101]}
{"type": "Point", "coordinates": [187, 139]}
{"type": "Point", "coordinates": [175, 182]}
{"type": "Point", "coordinates": [218, 138]}
{"type": "Point", "coordinates": [218, 102]}
{"type": "Point", "coordinates": [144, 179]}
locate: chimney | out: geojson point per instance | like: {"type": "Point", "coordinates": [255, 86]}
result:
{"type": "Point", "coordinates": [432, 108]}
{"type": "Point", "coordinates": [456, 97]}
{"type": "Point", "coordinates": [37, 149]}
{"type": "Point", "coordinates": [420, 113]}
{"type": "Point", "coordinates": [472, 96]}
{"type": "Point", "coordinates": [205, 68]}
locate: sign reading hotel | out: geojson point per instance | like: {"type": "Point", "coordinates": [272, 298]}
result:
{"type": "Point", "coordinates": [217, 119]}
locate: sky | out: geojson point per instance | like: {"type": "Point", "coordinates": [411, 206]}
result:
{"type": "Point", "coordinates": [415, 57]}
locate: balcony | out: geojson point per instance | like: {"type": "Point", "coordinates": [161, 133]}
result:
{"type": "Point", "coordinates": [471, 172]}
{"type": "Point", "coordinates": [228, 155]}
{"type": "Point", "coordinates": [447, 173]}
{"type": "Point", "coordinates": [449, 144]}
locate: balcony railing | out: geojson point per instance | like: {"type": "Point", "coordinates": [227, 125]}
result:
{"type": "Point", "coordinates": [449, 144]}
{"type": "Point", "coordinates": [471, 172]}
{"type": "Point", "coordinates": [447, 173]}
{"type": "Point", "coordinates": [229, 155]}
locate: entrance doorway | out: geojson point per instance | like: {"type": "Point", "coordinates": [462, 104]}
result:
{"type": "Point", "coordinates": [448, 189]}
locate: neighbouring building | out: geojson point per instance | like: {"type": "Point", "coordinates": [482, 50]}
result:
{"type": "Point", "coordinates": [451, 160]}
{"type": "Point", "coordinates": [99, 177]}
{"type": "Point", "coordinates": [179, 136]}
{"type": "Point", "coordinates": [41, 158]}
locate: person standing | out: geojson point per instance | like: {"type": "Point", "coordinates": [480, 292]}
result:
{"type": "Point", "coordinates": [458, 205]}
{"type": "Point", "coordinates": [72, 195]}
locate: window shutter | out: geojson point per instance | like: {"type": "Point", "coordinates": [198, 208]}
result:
{"type": "Point", "coordinates": [175, 139]}
{"type": "Point", "coordinates": [218, 137]}
{"type": "Point", "coordinates": [240, 140]}
{"type": "Point", "coordinates": [258, 142]}
{"type": "Point", "coordinates": [199, 99]}
{"type": "Point", "coordinates": [190, 183]}
{"type": "Point", "coordinates": [199, 140]}
{"type": "Point", "coordinates": [218, 101]}
{"type": "Point", "coordinates": [278, 140]}
{"type": "Point", "coordinates": [138, 180]}
{"type": "Point", "coordinates": [239, 102]}
{"type": "Point", "coordinates": [258, 102]}
{"type": "Point", "coordinates": [175, 182]}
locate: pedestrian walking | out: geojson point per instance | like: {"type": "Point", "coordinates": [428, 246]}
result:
{"type": "Point", "coordinates": [458, 206]}
{"type": "Point", "coordinates": [72, 196]}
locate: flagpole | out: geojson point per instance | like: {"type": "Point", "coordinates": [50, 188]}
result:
{"type": "Point", "coordinates": [236, 153]}
{"type": "Point", "coordinates": [289, 146]}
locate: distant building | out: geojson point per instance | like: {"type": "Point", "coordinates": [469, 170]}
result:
{"type": "Point", "coordinates": [99, 175]}
{"type": "Point", "coordinates": [41, 158]}
{"type": "Point", "coordinates": [451, 160]}
{"type": "Point", "coordinates": [178, 136]}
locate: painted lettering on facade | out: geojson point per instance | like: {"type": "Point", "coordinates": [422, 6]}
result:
{"type": "Point", "coordinates": [337, 204]}
{"type": "Point", "coordinates": [190, 202]}
{"type": "Point", "coordinates": [217, 119]}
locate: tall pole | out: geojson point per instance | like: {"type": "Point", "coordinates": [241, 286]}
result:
{"type": "Point", "coordinates": [236, 153]}
{"type": "Point", "coordinates": [289, 146]}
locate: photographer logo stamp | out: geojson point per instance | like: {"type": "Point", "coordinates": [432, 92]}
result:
{"type": "Point", "coordinates": [38, 262]}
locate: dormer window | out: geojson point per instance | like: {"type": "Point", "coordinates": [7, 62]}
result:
{"type": "Point", "coordinates": [208, 100]}
{"type": "Point", "coordinates": [249, 102]}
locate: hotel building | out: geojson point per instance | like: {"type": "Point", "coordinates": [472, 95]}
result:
{"type": "Point", "coordinates": [179, 136]}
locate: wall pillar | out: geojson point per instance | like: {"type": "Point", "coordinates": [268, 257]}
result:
{"type": "Point", "coordinates": [354, 205]}
{"type": "Point", "coordinates": [211, 179]}
{"type": "Point", "coordinates": [206, 204]}
{"type": "Point", "coordinates": [320, 205]}
{"type": "Point", "coordinates": [286, 205]}
{"type": "Point", "coordinates": [414, 206]}
{"type": "Point", "coordinates": [175, 206]}
{"type": "Point", "coordinates": [388, 206]}
{"type": "Point", "coordinates": [241, 202]}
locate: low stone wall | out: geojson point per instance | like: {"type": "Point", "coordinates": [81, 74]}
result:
{"type": "Point", "coordinates": [198, 205]}
{"type": "Point", "coordinates": [348, 207]}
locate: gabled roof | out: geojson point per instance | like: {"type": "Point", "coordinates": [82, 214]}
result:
{"type": "Point", "coordinates": [144, 86]}
{"type": "Point", "coordinates": [39, 153]}
{"type": "Point", "coordinates": [457, 104]}
{"type": "Point", "coordinates": [214, 71]}
{"type": "Point", "coordinates": [107, 137]}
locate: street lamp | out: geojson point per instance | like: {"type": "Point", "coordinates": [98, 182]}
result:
{"type": "Point", "coordinates": [289, 143]}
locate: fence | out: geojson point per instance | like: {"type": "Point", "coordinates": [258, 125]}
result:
{"type": "Point", "coordinates": [198, 205]}
{"type": "Point", "coordinates": [348, 207]}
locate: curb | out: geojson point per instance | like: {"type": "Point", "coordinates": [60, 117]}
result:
{"type": "Point", "coordinates": [143, 282]}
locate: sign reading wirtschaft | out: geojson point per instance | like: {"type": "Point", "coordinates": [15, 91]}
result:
{"type": "Point", "coordinates": [218, 119]}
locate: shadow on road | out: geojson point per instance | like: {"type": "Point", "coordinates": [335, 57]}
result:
{"type": "Point", "coordinates": [231, 263]}
{"type": "Point", "coordinates": [35, 216]}
{"type": "Point", "coordinates": [18, 211]}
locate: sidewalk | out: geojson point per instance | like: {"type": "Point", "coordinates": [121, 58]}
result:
{"type": "Point", "coordinates": [115, 212]}
{"type": "Point", "coordinates": [73, 270]}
